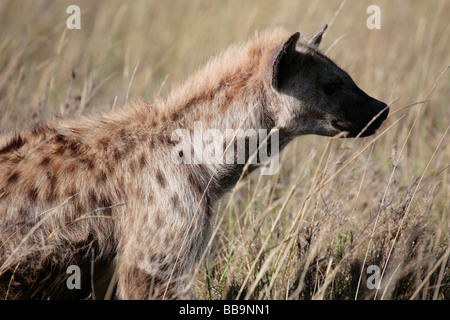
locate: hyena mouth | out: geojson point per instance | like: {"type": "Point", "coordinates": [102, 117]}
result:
{"type": "Point", "coordinates": [363, 128]}
{"type": "Point", "coordinates": [375, 122]}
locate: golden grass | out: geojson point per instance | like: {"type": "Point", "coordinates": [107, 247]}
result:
{"type": "Point", "coordinates": [336, 206]}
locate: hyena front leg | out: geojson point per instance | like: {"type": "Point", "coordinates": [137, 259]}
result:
{"type": "Point", "coordinates": [137, 284]}
{"type": "Point", "coordinates": [157, 260]}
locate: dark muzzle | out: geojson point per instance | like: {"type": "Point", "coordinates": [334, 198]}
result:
{"type": "Point", "coordinates": [376, 113]}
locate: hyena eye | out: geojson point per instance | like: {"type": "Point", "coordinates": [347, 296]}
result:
{"type": "Point", "coordinates": [331, 87]}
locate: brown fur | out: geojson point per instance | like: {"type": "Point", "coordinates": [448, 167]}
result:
{"type": "Point", "coordinates": [103, 188]}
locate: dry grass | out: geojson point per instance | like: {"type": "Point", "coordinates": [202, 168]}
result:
{"type": "Point", "coordinates": [336, 206]}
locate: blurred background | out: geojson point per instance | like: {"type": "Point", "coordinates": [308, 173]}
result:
{"type": "Point", "coordinates": [336, 206]}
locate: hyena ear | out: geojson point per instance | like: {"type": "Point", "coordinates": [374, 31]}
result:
{"type": "Point", "coordinates": [315, 39]}
{"type": "Point", "coordinates": [280, 59]}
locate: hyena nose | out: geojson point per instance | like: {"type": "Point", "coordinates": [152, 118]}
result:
{"type": "Point", "coordinates": [379, 113]}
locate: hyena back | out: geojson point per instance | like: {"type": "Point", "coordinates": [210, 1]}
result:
{"type": "Point", "coordinates": [102, 190]}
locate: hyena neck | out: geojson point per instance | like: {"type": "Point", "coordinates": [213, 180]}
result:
{"type": "Point", "coordinates": [225, 94]}
{"type": "Point", "coordinates": [227, 98]}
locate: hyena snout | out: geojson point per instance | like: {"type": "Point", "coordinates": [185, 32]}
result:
{"type": "Point", "coordinates": [377, 114]}
{"type": "Point", "coordinates": [367, 117]}
{"type": "Point", "coordinates": [359, 115]}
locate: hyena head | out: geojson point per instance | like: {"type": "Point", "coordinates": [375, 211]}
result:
{"type": "Point", "coordinates": [318, 96]}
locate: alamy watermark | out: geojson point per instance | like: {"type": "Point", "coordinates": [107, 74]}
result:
{"type": "Point", "coordinates": [74, 280]}
{"type": "Point", "coordinates": [74, 20]}
{"type": "Point", "coordinates": [230, 146]}
{"type": "Point", "coordinates": [372, 282]}
{"type": "Point", "coordinates": [374, 20]}
{"type": "Point", "coordinates": [374, 279]}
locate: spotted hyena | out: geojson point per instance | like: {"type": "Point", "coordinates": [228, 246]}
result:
{"type": "Point", "coordinates": [104, 190]}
